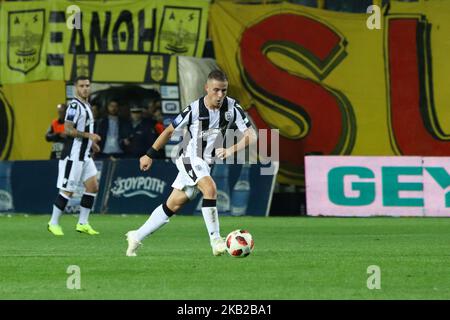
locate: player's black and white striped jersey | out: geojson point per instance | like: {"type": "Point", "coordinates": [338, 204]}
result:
{"type": "Point", "coordinates": [204, 126]}
{"type": "Point", "coordinates": [80, 114]}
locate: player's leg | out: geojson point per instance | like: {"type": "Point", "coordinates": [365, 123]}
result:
{"type": "Point", "coordinates": [207, 187]}
{"type": "Point", "coordinates": [159, 217]}
{"type": "Point", "coordinates": [66, 171]}
{"type": "Point", "coordinates": [86, 204]}
{"type": "Point", "coordinates": [90, 181]}
{"type": "Point", "coordinates": [196, 172]}
{"type": "Point", "coordinates": [58, 208]}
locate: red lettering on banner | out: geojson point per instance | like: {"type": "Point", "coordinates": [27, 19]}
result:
{"type": "Point", "coordinates": [323, 115]}
{"type": "Point", "coordinates": [415, 128]}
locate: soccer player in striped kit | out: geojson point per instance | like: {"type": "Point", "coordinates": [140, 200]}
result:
{"type": "Point", "coordinates": [206, 120]}
{"type": "Point", "coordinates": [76, 164]}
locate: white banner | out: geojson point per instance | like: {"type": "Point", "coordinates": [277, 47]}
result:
{"type": "Point", "coordinates": [377, 186]}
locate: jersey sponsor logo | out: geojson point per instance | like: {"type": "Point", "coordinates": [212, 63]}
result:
{"type": "Point", "coordinates": [207, 133]}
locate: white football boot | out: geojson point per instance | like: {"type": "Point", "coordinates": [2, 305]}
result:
{"type": "Point", "coordinates": [133, 243]}
{"type": "Point", "coordinates": [218, 246]}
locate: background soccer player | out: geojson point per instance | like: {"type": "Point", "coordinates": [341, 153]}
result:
{"type": "Point", "coordinates": [205, 119]}
{"type": "Point", "coordinates": [76, 164]}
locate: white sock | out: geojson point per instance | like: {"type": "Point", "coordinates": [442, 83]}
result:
{"type": "Point", "coordinates": [157, 219]}
{"type": "Point", "coordinates": [212, 221]}
{"type": "Point", "coordinates": [55, 215]}
{"type": "Point", "coordinates": [84, 215]}
{"type": "Point", "coordinates": [56, 211]}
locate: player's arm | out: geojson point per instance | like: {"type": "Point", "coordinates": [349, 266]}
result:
{"type": "Point", "coordinates": [70, 130]}
{"type": "Point", "coordinates": [163, 138]}
{"type": "Point", "coordinates": [146, 160]}
{"type": "Point", "coordinates": [249, 137]}
{"type": "Point", "coordinates": [181, 121]}
{"type": "Point", "coordinates": [244, 125]}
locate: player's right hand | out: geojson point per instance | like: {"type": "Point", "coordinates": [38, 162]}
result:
{"type": "Point", "coordinates": [145, 162]}
{"type": "Point", "coordinates": [95, 147]}
{"type": "Point", "coordinates": [94, 137]}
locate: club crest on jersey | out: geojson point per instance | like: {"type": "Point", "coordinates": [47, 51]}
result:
{"type": "Point", "coordinates": [228, 115]}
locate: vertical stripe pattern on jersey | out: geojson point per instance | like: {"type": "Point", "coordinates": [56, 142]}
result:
{"type": "Point", "coordinates": [203, 118]}
{"type": "Point", "coordinates": [67, 173]}
{"type": "Point", "coordinates": [85, 141]}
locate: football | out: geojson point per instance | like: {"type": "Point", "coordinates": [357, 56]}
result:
{"type": "Point", "coordinates": [239, 243]}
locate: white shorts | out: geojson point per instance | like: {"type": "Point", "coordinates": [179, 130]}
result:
{"type": "Point", "coordinates": [73, 172]}
{"type": "Point", "coordinates": [191, 170]}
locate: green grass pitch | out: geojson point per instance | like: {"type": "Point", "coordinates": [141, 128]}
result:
{"type": "Point", "coordinates": [294, 258]}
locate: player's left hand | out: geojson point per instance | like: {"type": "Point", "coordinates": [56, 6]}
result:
{"type": "Point", "coordinates": [222, 153]}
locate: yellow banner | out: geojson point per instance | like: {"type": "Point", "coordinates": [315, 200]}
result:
{"type": "Point", "coordinates": [22, 41]}
{"type": "Point", "coordinates": [133, 67]}
{"type": "Point", "coordinates": [38, 36]}
{"type": "Point", "coordinates": [332, 85]}
{"type": "Point", "coordinates": [30, 109]}
{"type": "Point", "coordinates": [6, 126]}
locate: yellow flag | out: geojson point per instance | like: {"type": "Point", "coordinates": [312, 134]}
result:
{"type": "Point", "coordinates": [334, 86]}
